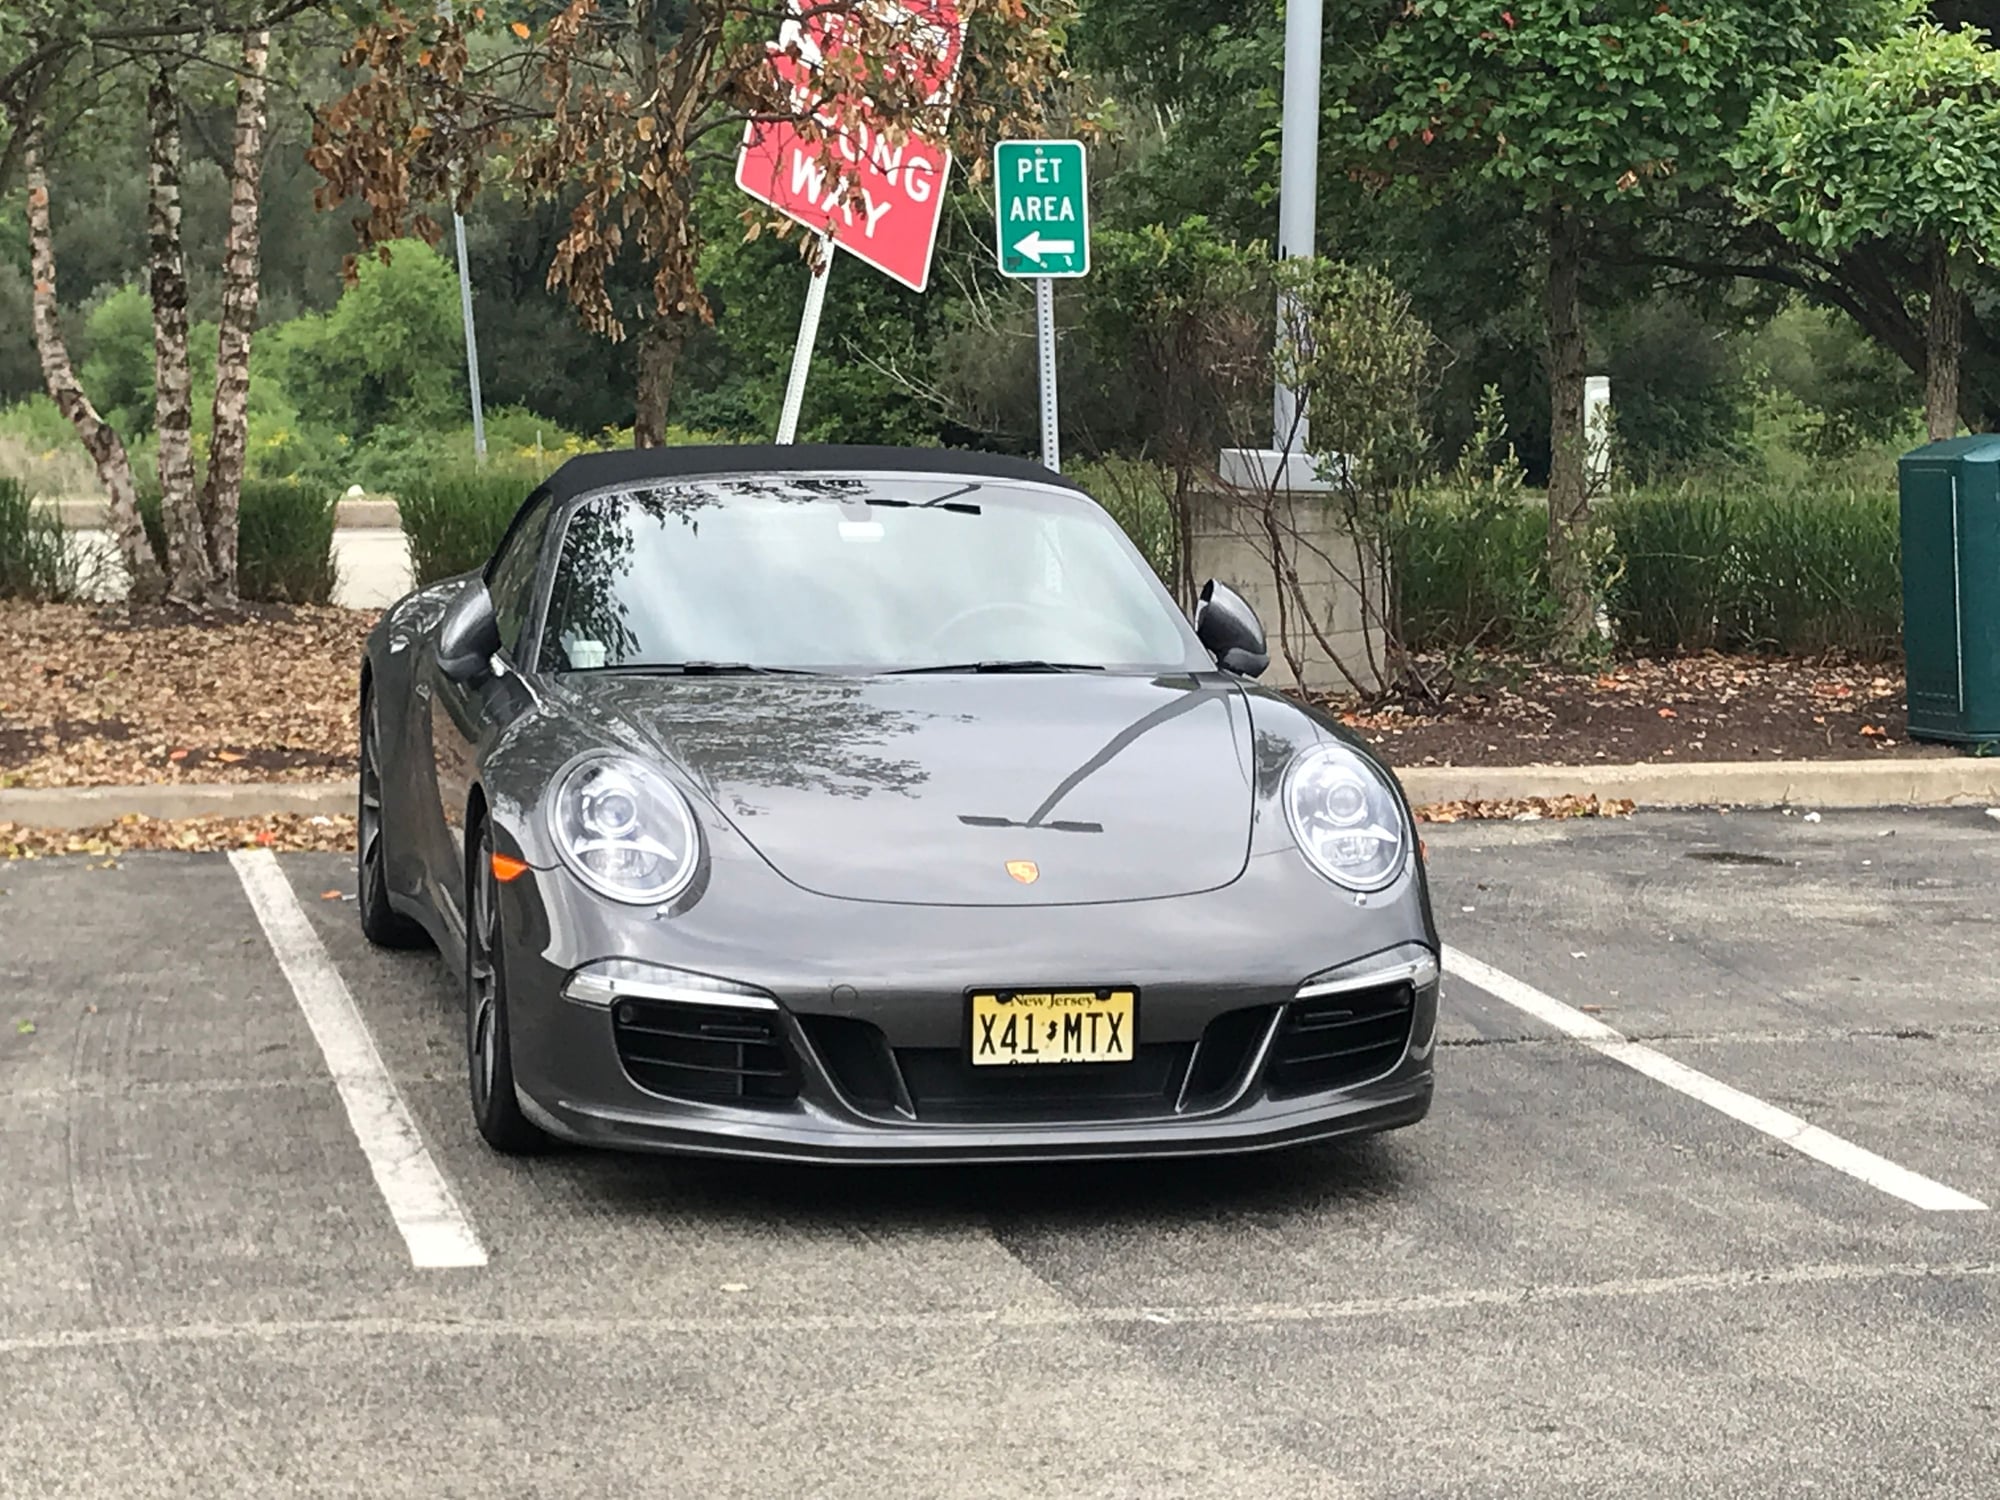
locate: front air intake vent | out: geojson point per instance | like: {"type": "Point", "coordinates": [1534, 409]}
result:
{"type": "Point", "coordinates": [711, 1052]}
{"type": "Point", "coordinates": [1341, 1040]}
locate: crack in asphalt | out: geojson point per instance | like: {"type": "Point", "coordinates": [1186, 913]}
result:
{"type": "Point", "coordinates": [1019, 1318]}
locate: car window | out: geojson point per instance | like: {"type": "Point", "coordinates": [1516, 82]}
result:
{"type": "Point", "coordinates": [858, 573]}
{"type": "Point", "coordinates": [510, 577]}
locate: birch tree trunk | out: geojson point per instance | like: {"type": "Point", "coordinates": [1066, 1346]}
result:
{"type": "Point", "coordinates": [173, 398]}
{"type": "Point", "coordinates": [106, 448]}
{"type": "Point", "coordinates": [222, 486]}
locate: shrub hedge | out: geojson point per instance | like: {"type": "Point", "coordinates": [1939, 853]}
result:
{"type": "Point", "coordinates": [284, 540]}
{"type": "Point", "coordinates": [1702, 566]}
{"type": "Point", "coordinates": [453, 521]}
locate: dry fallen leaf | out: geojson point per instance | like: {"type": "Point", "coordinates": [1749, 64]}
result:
{"type": "Point", "coordinates": [1511, 808]}
{"type": "Point", "coordinates": [284, 831]}
{"type": "Point", "coordinates": [280, 684]}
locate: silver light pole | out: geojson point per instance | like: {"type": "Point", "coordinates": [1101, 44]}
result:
{"type": "Point", "coordinates": [465, 311]}
{"type": "Point", "coordinates": [1284, 465]}
{"type": "Point", "coordinates": [1298, 187]}
{"type": "Point", "coordinates": [471, 342]}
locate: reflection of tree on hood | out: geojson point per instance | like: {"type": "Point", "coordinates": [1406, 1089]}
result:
{"type": "Point", "coordinates": [819, 734]}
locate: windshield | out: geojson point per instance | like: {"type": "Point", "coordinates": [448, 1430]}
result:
{"type": "Point", "coordinates": [874, 573]}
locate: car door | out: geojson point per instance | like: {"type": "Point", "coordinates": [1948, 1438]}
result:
{"type": "Point", "coordinates": [465, 717]}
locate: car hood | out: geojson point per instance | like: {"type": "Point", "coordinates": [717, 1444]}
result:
{"type": "Point", "coordinates": [961, 790]}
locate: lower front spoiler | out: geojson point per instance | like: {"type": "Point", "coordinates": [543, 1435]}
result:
{"type": "Point", "coordinates": [792, 1137]}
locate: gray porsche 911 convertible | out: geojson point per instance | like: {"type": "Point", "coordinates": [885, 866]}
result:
{"type": "Point", "coordinates": [871, 804]}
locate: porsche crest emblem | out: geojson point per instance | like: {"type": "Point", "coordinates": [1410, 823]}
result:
{"type": "Point", "coordinates": [1024, 870]}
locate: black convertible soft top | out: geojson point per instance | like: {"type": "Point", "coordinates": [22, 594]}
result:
{"type": "Point", "coordinates": [597, 471]}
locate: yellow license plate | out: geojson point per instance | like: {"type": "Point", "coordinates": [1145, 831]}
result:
{"type": "Point", "coordinates": [1053, 1026]}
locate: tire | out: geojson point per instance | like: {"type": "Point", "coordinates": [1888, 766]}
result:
{"type": "Point", "coordinates": [381, 923]}
{"type": "Point", "coordinates": [489, 1061]}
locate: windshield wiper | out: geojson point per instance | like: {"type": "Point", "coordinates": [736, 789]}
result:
{"type": "Point", "coordinates": [1002, 666]}
{"type": "Point", "coordinates": [710, 669]}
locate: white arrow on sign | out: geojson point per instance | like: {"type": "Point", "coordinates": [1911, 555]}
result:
{"type": "Point", "coordinates": [1035, 247]}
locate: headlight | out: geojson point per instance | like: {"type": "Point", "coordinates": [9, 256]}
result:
{"type": "Point", "coordinates": [624, 831]}
{"type": "Point", "coordinates": [1347, 819]}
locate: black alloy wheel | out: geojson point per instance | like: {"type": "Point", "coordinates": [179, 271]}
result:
{"type": "Point", "coordinates": [489, 1061]}
{"type": "Point", "coordinates": [381, 923]}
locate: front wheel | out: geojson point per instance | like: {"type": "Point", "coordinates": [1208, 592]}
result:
{"type": "Point", "coordinates": [381, 923]}
{"type": "Point", "coordinates": [489, 1057]}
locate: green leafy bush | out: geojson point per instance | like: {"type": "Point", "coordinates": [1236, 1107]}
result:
{"type": "Point", "coordinates": [454, 519]}
{"type": "Point", "coordinates": [391, 350]}
{"type": "Point", "coordinates": [284, 540]}
{"type": "Point", "coordinates": [1471, 559]}
{"type": "Point", "coordinates": [38, 559]}
{"type": "Point", "coordinates": [1140, 498]}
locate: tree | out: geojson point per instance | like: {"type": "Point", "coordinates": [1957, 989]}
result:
{"type": "Point", "coordinates": [1896, 144]}
{"type": "Point", "coordinates": [100, 438]}
{"type": "Point", "coordinates": [1590, 116]}
{"type": "Point", "coordinates": [388, 352]}
{"type": "Point", "coordinates": [55, 54]}
{"type": "Point", "coordinates": [619, 109]}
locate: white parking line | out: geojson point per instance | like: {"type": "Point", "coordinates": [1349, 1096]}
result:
{"type": "Point", "coordinates": [1801, 1136]}
{"type": "Point", "coordinates": [434, 1226]}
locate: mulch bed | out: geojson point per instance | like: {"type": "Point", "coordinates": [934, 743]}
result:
{"type": "Point", "coordinates": [101, 696]}
{"type": "Point", "coordinates": [1703, 708]}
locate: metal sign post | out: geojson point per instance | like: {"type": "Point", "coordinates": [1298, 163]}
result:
{"type": "Point", "coordinates": [1041, 205]}
{"type": "Point", "coordinates": [876, 192]}
{"type": "Point", "coordinates": [802, 352]}
{"type": "Point", "coordinates": [1045, 352]}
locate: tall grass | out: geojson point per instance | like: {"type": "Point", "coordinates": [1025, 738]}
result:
{"type": "Point", "coordinates": [1799, 573]}
{"type": "Point", "coordinates": [1473, 573]}
{"type": "Point", "coordinates": [1707, 565]}
{"type": "Point", "coordinates": [453, 521]}
{"type": "Point", "coordinates": [39, 561]}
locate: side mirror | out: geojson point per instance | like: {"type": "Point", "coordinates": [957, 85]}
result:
{"type": "Point", "coordinates": [468, 635]}
{"type": "Point", "coordinates": [1228, 626]}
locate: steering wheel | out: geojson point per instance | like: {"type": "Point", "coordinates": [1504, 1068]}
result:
{"type": "Point", "coordinates": [1026, 612]}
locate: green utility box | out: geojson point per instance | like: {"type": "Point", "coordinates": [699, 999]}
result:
{"type": "Point", "coordinates": [1951, 589]}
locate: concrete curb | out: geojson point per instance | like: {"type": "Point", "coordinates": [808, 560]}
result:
{"type": "Point", "coordinates": [370, 514]}
{"type": "Point", "coordinates": [1957, 782]}
{"type": "Point", "coordinates": [83, 806]}
{"type": "Point", "coordinates": [1960, 781]}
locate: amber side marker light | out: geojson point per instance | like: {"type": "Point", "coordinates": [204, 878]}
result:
{"type": "Point", "coordinates": [507, 869]}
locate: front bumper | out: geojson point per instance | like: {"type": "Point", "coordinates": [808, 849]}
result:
{"type": "Point", "coordinates": [901, 974]}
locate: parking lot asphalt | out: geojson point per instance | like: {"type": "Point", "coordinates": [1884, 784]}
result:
{"type": "Point", "coordinates": [1573, 1279]}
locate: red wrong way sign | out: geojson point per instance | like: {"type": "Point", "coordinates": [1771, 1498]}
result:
{"type": "Point", "coordinates": [878, 193]}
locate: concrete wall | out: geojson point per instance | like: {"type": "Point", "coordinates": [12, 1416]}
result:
{"type": "Point", "coordinates": [1230, 540]}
